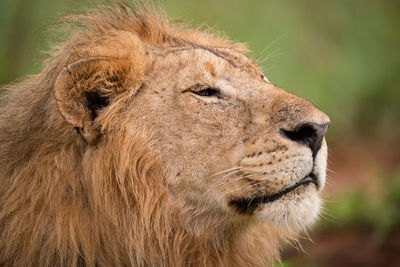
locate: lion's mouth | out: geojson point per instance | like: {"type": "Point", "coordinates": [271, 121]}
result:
{"type": "Point", "coordinates": [248, 205]}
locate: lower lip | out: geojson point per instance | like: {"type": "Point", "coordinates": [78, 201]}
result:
{"type": "Point", "coordinates": [310, 179]}
{"type": "Point", "coordinates": [244, 205]}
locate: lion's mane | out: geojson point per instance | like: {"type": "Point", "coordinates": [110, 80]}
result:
{"type": "Point", "coordinates": [64, 203]}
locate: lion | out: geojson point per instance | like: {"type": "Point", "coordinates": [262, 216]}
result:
{"type": "Point", "coordinates": [149, 143]}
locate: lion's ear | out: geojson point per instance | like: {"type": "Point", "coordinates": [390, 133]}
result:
{"type": "Point", "coordinates": [85, 87]}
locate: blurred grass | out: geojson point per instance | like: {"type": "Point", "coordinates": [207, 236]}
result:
{"type": "Point", "coordinates": [341, 55]}
{"type": "Point", "coordinates": [382, 216]}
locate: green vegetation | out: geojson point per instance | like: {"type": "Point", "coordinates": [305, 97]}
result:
{"type": "Point", "coordinates": [382, 215]}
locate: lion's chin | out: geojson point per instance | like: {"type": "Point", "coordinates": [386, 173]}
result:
{"type": "Point", "coordinates": [296, 211]}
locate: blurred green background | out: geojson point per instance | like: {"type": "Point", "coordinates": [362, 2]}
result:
{"type": "Point", "coordinates": [342, 55]}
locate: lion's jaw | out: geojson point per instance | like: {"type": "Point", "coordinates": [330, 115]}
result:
{"type": "Point", "coordinates": [228, 148]}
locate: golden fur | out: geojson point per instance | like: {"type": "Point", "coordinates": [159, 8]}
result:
{"type": "Point", "coordinates": [112, 157]}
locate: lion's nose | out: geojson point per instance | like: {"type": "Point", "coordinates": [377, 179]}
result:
{"type": "Point", "coordinates": [308, 133]}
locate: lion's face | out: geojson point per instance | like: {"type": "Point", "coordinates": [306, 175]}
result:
{"type": "Point", "coordinates": [233, 144]}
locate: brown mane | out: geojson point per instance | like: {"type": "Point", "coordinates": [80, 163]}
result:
{"type": "Point", "coordinates": [64, 203]}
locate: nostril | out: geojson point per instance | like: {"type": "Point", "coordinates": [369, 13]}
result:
{"type": "Point", "coordinates": [310, 134]}
{"type": "Point", "coordinates": [305, 134]}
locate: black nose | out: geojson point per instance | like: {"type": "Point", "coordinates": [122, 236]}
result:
{"type": "Point", "coordinates": [308, 133]}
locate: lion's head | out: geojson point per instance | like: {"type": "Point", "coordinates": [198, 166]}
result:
{"type": "Point", "coordinates": [168, 133]}
{"type": "Point", "coordinates": [233, 144]}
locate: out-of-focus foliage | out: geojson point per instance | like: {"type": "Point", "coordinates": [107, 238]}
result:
{"type": "Point", "coordinates": [341, 55]}
{"type": "Point", "coordinates": [356, 208]}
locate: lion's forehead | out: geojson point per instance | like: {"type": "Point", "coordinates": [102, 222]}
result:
{"type": "Point", "coordinates": [198, 53]}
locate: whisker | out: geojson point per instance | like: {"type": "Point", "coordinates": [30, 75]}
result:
{"type": "Point", "coordinates": [273, 54]}
{"type": "Point", "coordinates": [223, 171]}
{"type": "Point", "coordinates": [330, 170]}
{"type": "Point", "coordinates": [269, 69]}
{"type": "Point", "coordinates": [248, 187]}
{"type": "Point", "coordinates": [328, 217]}
{"type": "Point", "coordinates": [223, 180]}
{"type": "Point", "coordinates": [270, 44]}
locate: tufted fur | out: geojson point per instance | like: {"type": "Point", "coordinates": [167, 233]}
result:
{"type": "Point", "coordinates": [87, 175]}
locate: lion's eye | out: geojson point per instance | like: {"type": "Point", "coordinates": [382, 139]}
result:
{"type": "Point", "coordinates": [208, 92]}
